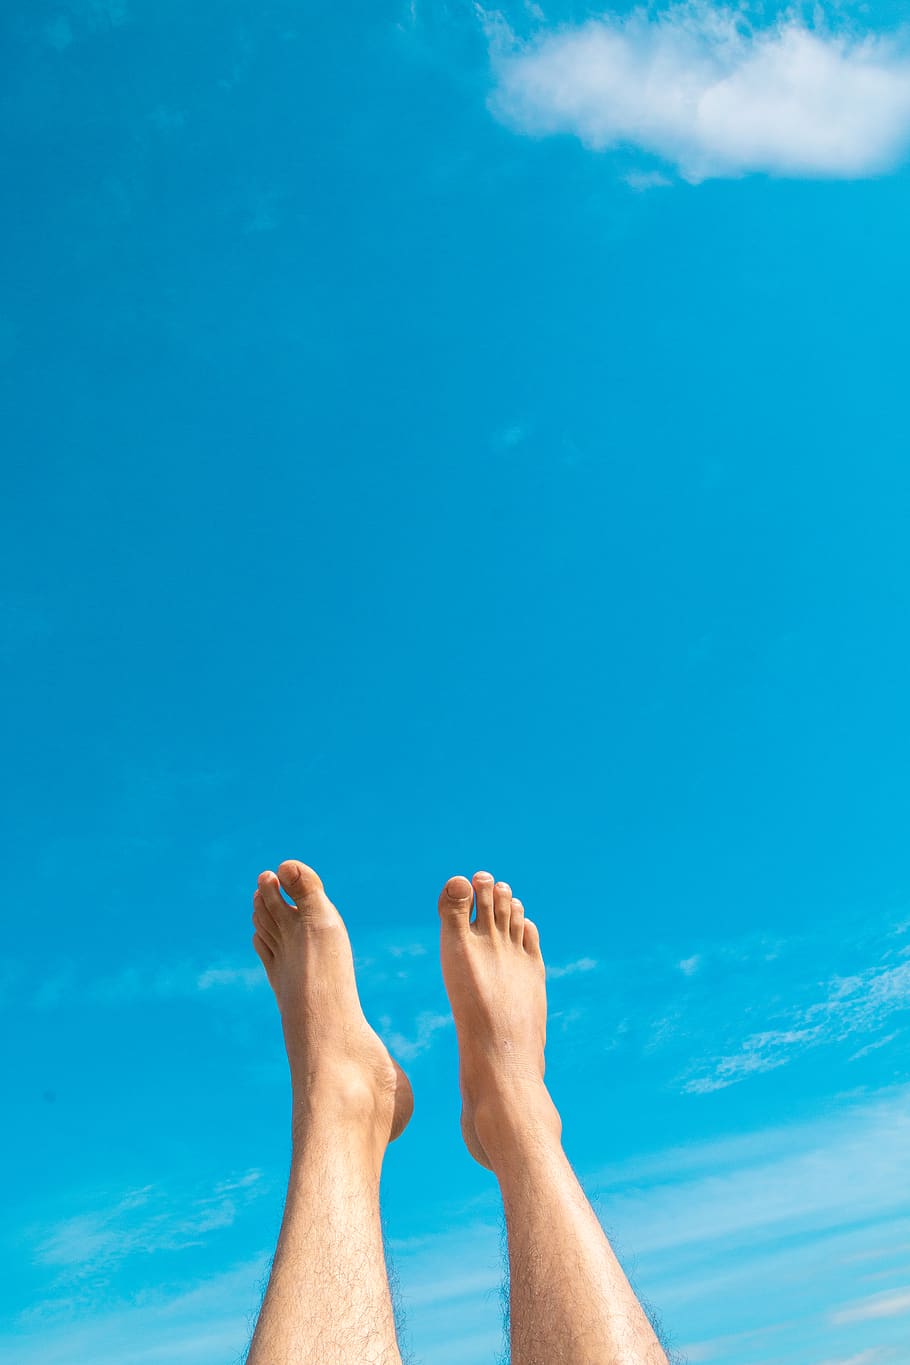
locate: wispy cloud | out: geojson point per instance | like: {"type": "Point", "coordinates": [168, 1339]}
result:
{"type": "Point", "coordinates": [732, 1345]}
{"type": "Point", "coordinates": [647, 180]}
{"type": "Point", "coordinates": [773, 1216]}
{"type": "Point", "coordinates": [69, 983]}
{"type": "Point", "coordinates": [582, 964]}
{"type": "Point", "coordinates": [407, 1046]}
{"type": "Point", "coordinates": [863, 1358]}
{"type": "Point", "coordinates": [701, 88]}
{"type": "Point", "coordinates": [408, 950]}
{"type": "Point", "coordinates": [776, 1215]}
{"type": "Point", "coordinates": [247, 978]}
{"type": "Point", "coordinates": [752, 1219]}
{"type": "Point", "coordinates": [209, 1320]}
{"type": "Point", "coordinates": [138, 983]}
{"type": "Point", "coordinates": [874, 1047]}
{"type": "Point", "coordinates": [815, 1175]}
{"type": "Point", "coordinates": [890, 1305]}
{"type": "Point", "coordinates": [94, 1243]}
{"type": "Point", "coordinates": [850, 1005]}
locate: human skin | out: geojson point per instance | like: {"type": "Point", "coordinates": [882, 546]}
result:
{"type": "Point", "coordinates": [328, 1300]}
{"type": "Point", "coordinates": [570, 1302]}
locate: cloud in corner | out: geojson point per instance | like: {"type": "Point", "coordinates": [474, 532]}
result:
{"type": "Point", "coordinates": [698, 87]}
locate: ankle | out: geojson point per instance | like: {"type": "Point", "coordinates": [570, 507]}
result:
{"type": "Point", "coordinates": [513, 1122]}
{"type": "Point", "coordinates": [343, 1105]}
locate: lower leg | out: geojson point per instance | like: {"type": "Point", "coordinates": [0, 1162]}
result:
{"type": "Point", "coordinates": [328, 1296]}
{"type": "Point", "coordinates": [570, 1302]}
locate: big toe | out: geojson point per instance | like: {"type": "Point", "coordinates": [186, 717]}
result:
{"type": "Point", "coordinates": [456, 901]}
{"type": "Point", "coordinates": [301, 883]}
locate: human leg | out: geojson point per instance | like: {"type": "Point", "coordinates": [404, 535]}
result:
{"type": "Point", "coordinates": [328, 1300]}
{"type": "Point", "coordinates": [570, 1302]}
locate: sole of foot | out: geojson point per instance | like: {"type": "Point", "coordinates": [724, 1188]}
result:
{"type": "Point", "coordinates": [496, 982]}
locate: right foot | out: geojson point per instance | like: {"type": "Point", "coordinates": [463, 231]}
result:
{"type": "Point", "coordinates": [340, 1069]}
{"type": "Point", "coordinates": [496, 982]}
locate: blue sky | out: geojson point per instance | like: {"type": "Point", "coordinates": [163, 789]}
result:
{"type": "Point", "coordinates": [437, 439]}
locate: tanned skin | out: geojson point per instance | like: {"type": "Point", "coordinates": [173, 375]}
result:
{"type": "Point", "coordinates": [328, 1300]}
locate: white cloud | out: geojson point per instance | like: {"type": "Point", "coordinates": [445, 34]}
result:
{"type": "Point", "coordinates": [889, 1305]}
{"type": "Point", "coordinates": [863, 1358]}
{"type": "Point", "coordinates": [779, 1215]}
{"type": "Point", "coordinates": [690, 965]}
{"type": "Point", "coordinates": [408, 1046]}
{"type": "Point", "coordinates": [408, 950]}
{"type": "Point", "coordinates": [731, 1344]}
{"type": "Point", "coordinates": [69, 985]}
{"type": "Point", "coordinates": [850, 1005]}
{"type": "Point", "coordinates": [716, 1231]}
{"type": "Point", "coordinates": [94, 1243]}
{"type": "Point", "coordinates": [700, 88]}
{"type": "Point", "coordinates": [874, 1047]}
{"type": "Point", "coordinates": [246, 977]}
{"type": "Point", "coordinates": [814, 1175]}
{"type": "Point", "coordinates": [713, 1232]}
{"type": "Point", "coordinates": [582, 964]}
{"type": "Point", "coordinates": [211, 1320]}
{"type": "Point", "coordinates": [646, 180]}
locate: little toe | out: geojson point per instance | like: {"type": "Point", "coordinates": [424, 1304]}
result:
{"type": "Point", "coordinates": [301, 883]}
{"type": "Point", "coordinates": [483, 889]}
{"type": "Point", "coordinates": [517, 921]}
{"type": "Point", "coordinates": [456, 901]}
{"type": "Point", "coordinates": [502, 905]}
{"type": "Point", "coordinates": [531, 938]}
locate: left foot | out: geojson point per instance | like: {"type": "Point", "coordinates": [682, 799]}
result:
{"type": "Point", "coordinates": [340, 1069]}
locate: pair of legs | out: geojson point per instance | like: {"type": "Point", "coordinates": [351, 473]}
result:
{"type": "Point", "coordinates": [328, 1300]}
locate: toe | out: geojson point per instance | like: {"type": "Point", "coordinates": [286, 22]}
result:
{"type": "Point", "coordinates": [531, 938]}
{"type": "Point", "coordinates": [264, 952]}
{"type": "Point", "coordinates": [264, 924]}
{"type": "Point", "coordinates": [483, 889]}
{"type": "Point", "coordinates": [502, 905]}
{"type": "Point", "coordinates": [261, 911]}
{"type": "Point", "coordinates": [272, 899]}
{"type": "Point", "coordinates": [456, 901]}
{"type": "Point", "coordinates": [517, 921]}
{"type": "Point", "coordinates": [300, 882]}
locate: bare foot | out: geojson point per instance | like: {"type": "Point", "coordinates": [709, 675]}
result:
{"type": "Point", "coordinates": [495, 978]}
{"type": "Point", "coordinates": [340, 1070]}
